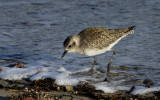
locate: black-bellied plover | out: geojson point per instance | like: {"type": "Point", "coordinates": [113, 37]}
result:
{"type": "Point", "coordinates": [95, 40]}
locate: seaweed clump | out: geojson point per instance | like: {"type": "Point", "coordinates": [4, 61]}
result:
{"type": "Point", "coordinates": [46, 84]}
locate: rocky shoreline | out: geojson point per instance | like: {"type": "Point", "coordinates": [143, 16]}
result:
{"type": "Point", "coordinates": [47, 89]}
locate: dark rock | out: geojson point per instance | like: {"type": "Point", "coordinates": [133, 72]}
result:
{"type": "Point", "coordinates": [1, 86]}
{"type": "Point", "coordinates": [148, 83]}
{"type": "Point", "coordinates": [84, 87]}
{"type": "Point", "coordinates": [1, 69]}
{"type": "Point", "coordinates": [17, 65]}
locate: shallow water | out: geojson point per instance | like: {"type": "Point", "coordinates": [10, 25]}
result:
{"type": "Point", "coordinates": [33, 31]}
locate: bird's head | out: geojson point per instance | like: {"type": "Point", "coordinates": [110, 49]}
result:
{"type": "Point", "coordinates": [70, 44]}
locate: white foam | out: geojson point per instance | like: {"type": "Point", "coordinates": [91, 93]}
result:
{"type": "Point", "coordinates": [17, 73]}
{"type": "Point", "coordinates": [61, 69]}
{"type": "Point", "coordinates": [42, 75]}
{"type": "Point", "coordinates": [109, 87]}
{"type": "Point", "coordinates": [67, 81]}
{"type": "Point", "coordinates": [144, 90]}
{"type": "Point", "coordinates": [123, 88]}
{"type": "Point", "coordinates": [105, 89]}
{"type": "Point", "coordinates": [63, 76]}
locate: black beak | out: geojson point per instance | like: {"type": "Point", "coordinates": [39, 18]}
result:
{"type": "Point", "coordinates": [64, 53]}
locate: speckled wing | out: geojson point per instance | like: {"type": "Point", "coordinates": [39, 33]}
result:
{"type": "Point", "coordinates": [99, 37]}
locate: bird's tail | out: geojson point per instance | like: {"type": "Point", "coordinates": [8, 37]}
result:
{"type": "Point", "coordinates": [130, 30]}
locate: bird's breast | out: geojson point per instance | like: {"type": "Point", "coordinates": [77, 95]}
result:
{"type": "Point", "coordinates": [93, 52]}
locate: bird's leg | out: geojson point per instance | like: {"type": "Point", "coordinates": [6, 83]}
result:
{"type": "Point", "coordinates": [109, 64]}
{"type": "Point", "coordinates": [94, 63]}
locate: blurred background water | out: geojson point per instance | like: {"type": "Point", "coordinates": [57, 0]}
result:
{"type": "Point", "coordinates": [32, 30]}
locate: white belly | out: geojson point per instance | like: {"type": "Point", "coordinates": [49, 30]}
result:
{"type": "Point", "coordinates": [93, 52]}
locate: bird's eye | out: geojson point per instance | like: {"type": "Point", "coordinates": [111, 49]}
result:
{"type": "Point", "coordinates": [69, 46]}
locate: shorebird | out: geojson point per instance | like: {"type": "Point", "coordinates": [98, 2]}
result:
{"type": "Point", "coordinates": [93, 41]}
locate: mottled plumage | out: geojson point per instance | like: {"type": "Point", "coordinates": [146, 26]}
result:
{"type": "Point", "coordinates": [99, 37]}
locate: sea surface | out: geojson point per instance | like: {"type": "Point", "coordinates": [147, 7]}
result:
{"type": "Point", "coordinates": [33, 31]}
